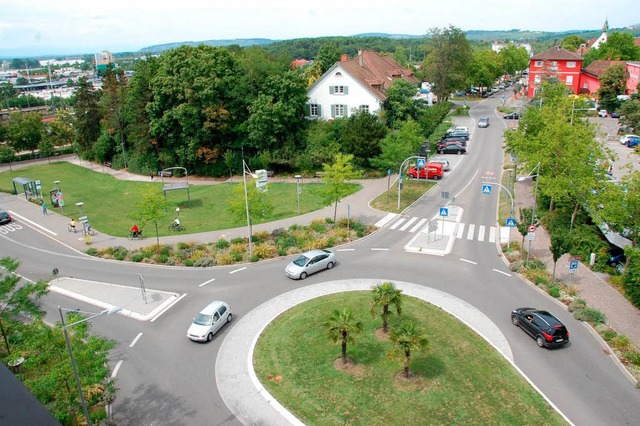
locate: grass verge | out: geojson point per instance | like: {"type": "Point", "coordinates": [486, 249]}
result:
{"type": "Point", "coordinates": [460, 380]}
{"type": "Point", "coordinates": [411, 191]}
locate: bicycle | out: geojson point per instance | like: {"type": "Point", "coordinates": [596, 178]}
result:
{"type": "Point", "coordinates": [88, 231]}
{"type": "Point", "coordinates": [176, 227]}
{"type": "Point", "coordinates": [72, 229]}
{"type": "Point", "coordinates": [135, 235]}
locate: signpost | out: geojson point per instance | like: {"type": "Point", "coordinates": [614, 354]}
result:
{"type": "Point", "coordinates": [511, 222]}
{"type": "Point", "coordinates": [573, 267]}
{"type": "Point", "coordinates": [486, 189]}
{"type": "Point", "coordinates": [444, 212]}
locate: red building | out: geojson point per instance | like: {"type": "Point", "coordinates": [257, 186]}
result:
{"type": "Point", "coordinates": [590, 78]}
{"type": "Point", "coordinates": [556, 63]}
{"type": "Point", "coordinates": [633, 77]}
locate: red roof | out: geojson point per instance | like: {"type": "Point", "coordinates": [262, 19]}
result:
{"type": "Point", "coordinates": [556, 54]}
{"type": "Point", "coordinates": [597, 68]}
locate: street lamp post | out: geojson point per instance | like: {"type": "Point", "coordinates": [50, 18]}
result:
{"type": "Point", "coordinates": [298, 190]}
{"type": "Point", "coordinates": [246, 171]}
{"type": "Point", "coordinates": [109, 311]}
{"type": "Point", "coordinates": [531, 175]}
{"type": "Point", "coordinates": [80, 204]}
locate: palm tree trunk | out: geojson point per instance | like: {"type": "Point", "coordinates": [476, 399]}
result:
{"type": "Point", "coordinates": [344, 347]}
{"type": "Point", "coordinates": [407, 361]}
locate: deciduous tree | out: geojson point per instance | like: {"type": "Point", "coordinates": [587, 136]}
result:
{"type": "Point", "coordinates": [152, 208]}
{"type": "Point", "coordinates": [612, 83]}
{"type": "Point", "coordinates": [335, 177]}
{"type": "Point", "coordinates": [25, 130]}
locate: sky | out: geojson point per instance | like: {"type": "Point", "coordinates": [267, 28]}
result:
{"type": "Point", "coordinates": [49, 27]}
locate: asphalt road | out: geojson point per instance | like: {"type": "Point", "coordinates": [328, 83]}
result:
{"type": "Point", "coordinates": [164, 379]}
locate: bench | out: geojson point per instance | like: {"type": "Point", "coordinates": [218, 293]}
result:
{"type": "Point", "coordinates": [108, 164]}
{"type": "Point", "coordinates": [320, 174]}
{"type": "Point", "coordinates": [165, 174]}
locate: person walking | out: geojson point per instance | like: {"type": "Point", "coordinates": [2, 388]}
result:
{"type": "Point", "coordinates": [151, 175]}
{"type": "Point", "coordinates": [44, 208]}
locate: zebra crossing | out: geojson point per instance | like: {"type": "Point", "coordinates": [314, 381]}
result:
{"type": "Point", "coordinates": [471, 231]}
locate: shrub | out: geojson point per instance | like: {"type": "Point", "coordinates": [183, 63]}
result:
{"type": "Point", "coordinates": [318, 227]}
{"type": "Point", "coordinates": [265, 251]}
{"type": "Point", "coordinates": [261, 236]}
{"type": "Point", "coordinates": [276, 233]}
{"type": "Point", "coordinates": [554, 291]}
{"type": "Point", "coordinates": [161, 258]}
{"type": "Point", "coordinates": [164, 250]}
{"type": "Point", "coordinates": [238, 247]}
{"type": "Point", "coordinates": [535, 264]}
{"type": "Point", "coordinates": [282, 252]}
{"type": "Point", "coordinates": [137, 257]}
{"type": "Point", "coordinates": [187, 262]}
{"type": "Point", "coordinates": [237, 240]}
{"type": "Point", "coordinates": [146, 254]}
{"type": "Point", "coordinates": [182, 246]}
{"type": "Point", "coordinates": [632, 356]}
{"type": "Point", "coordinates": [197, 255]}
{"type": "Point", "coordinates": [541, 280]}
{"type": "Point", "coordinates": [224, 259]}
{"type": "Point", "coordinates": [285, 241]}
{"type": "Point", "coordinates": [339, 233]}
{"type": "Point", "coordinates": [608, 335]}
{"type": "Point", "coordinates": [92, 252]}
{"type": "Point", "coordinates": [589, 315]}
{"type": "Point", "coordinates": [205, 262]}
{"type": "Point", "coordinates": [621, 342]}
{"type": "Point", "coordinates": [222, 244]}
{"type": "Point", "coordinates": [120, 253]}
{"type": "Point", "coordinates": [577, 304]}
{"type": "Point", "coordinates": [237, 257]}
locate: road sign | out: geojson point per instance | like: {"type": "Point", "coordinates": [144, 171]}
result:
{"type": "Point", "coordinates": [444, 212]}
{"type": "Point", "coordinates": [531, 236]}
{"type": "Point", "coordinates": [421, 163]}
{"type": "Point", "coordinates": [444, 194]}
{"type": "Point", "coordinates": [511, 222]}
{"type": "Point", "coordinates": [388, 171]}
{"type": "Point", "coordinates": [573, 265]}
{"type": "Point", "coordinates": [486, 189]}
{"type": "Point", "coordinates": [433, 226]}
{"type": "Point", "coordinates": [531, 228]}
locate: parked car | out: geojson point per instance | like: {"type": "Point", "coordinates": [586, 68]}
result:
{"type": "Point", "coordinates": [451, 148]}
{"type": "Point", "coordinates": [457, 134]}
{"type": "Point", "coordinates": [431, 170]}
{"type": "Point", "coordinates": [446, 166]}
{"type": "Point", "coordinates": [483, 122]}
{"type": "Point", "coordinates": [625, 138]}
{"type": "Point", "coordinates": [602, 113]}
{"type": "Point", "coordinates": [512, 116]}
{"type": "Point", "coordinates": [624, 130]}
{"type": "Point", "coordinates": [309, 263]}
{"type": "Point", "coordinates": [4, 217]}
{"type": "Point", "coordinates": [459, 139]}
{"type": "Point", "coordinates": [633, 141]}
{"type": "Point", "coordinates": [542, 326]}
{"type": "Point", "coordinates": [615, 115]}
{"type": "Point", "coordinates": [209, 321]}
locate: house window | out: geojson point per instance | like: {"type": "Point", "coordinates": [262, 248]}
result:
{"type": "Point", "coordinates": [554, 63]}
{"type": "Point", "coordinates": [338, 90]}
{"type": "Point", "coordinates": [571, 64]}
{"type": "Point", "coordinates": [538, 63]}
{"type": "Point", "coordinates": [313, 110]}
{"type": "Point", "coordinates": [569, 80]}
{"type": "Point", "coordinates": [364, 108]}
{"type": "Point", "coordinates": [536, 79]}
{"type": "Point", "coordinates": [338, 110]}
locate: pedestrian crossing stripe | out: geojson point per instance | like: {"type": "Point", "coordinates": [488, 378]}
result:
{"type": "Point", "coordinates": [480, 233]}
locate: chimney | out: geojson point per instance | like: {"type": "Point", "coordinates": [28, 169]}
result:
{"type": "Point", "coordinates": [344, 57]}
{"type": "Point", "coordinates": [360, 57]}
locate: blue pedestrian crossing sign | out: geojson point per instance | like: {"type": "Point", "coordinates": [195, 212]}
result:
{"type": "Point", "coordinates": [573, 265]}
{"type": "Point", "coordinates": [421, 163]}
{"type": "Point", "coordinates": [486, 189]}
{"type": "Point", "coordinates": [444, 212]}
{"type": "Point", "coordinates": [511, 222]}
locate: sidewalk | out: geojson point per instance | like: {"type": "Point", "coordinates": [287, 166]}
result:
{"type": "Point", "coordinates": [621, 315]}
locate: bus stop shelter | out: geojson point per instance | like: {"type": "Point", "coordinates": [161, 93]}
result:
{"type": "Point", "coordinates": [27, 186]}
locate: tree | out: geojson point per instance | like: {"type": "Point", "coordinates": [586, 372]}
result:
{"type": "Point", "coordinates": [152, 208]}
{"type": "Point", "coordinates": [572, 42]}
{"type": "Point", "coordinates": [484, 68]}
{"type": "Point", "coordinates": [384, 295]}
{"type": "Point", "coordinates": [322, 145]}
{"type": "Point", "coordinates": [630, 113]}
{"type": "Point", "coordinates": [612, 83]}
{"type": "Point", "coordinates": [446, 65]}
{"type": "Point", "coordinates": [7, 155]}
{"type": "Point", "coordinates": [513, 59]}
{"type": "Point", "coordinates": [407, 338]}
{"type": "Point", "coordinates": [341, 327]}
{"type": "Point", "coordinates": [328, 55]}
{"type": "Point", "coordinates": [560, 244]}
{"type": "Point", "coordinates": [400, 104]}
{"type": "Point", "coordinates": [25, 130]}
{"type": "Point", "coordinates": [398, 145]}
{"type": "Point", "coordinates": [335, 177]}
{"type": "Point", "coordinates": [361, 136]}
{"type": "Point", "coordinates": [618, 47]}
{"type": "Point", "coordinates": [46, 148]}
{"type": "Point", "coordinates": [61, 131]}
{"type": "Point", "coordinates": [523, 226]}
{"type": "Point", "coordinates": [260, 206]}
{"type": "Point", "coordinates": [112, 103]}
{"type": "Point", "coordinates": [17, 300]}
{"type": "Point", "coordinates": [87, 115]}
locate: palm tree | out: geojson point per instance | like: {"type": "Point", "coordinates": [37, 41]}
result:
{"type": "Point", "coordinates": [386, 294]}
{"type": "Point", "coordinates": [407, 338]}
{"type": "Point", "coordinates": [340, 327]}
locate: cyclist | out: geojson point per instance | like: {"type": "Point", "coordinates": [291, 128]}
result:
{"type": "Point", "coordinates": [72, 225]}
{"type": "Point", "coordinates": [89, 230]}
{"type": "Point", "coordinates": [176, 223]}
{"type": "Point", "coordinates": [135, 231]}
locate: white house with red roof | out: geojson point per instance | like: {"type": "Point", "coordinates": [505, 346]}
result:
{"type": "Point", "coordinates": [359, 84]}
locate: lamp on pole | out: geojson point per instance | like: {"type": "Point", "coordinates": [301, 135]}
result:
{"type": "Point", "coordinates": [109, 311]}
{"type": "Point", "coordinates": [298, 190]}
{"type": "Point", "coordinates": [531, 175]}
{"type": "Point", "coordinates": [246, 171]}
{"type": "Point", "coordinates": [80, 204]}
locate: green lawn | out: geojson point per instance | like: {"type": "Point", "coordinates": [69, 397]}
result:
{"type": "Point", "coordinates": [461, 380]}
{"type": "Point", "coordinates": [412, 189]}
{"type": "Point", "coordinates": [108, 202]}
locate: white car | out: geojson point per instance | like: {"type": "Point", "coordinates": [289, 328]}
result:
{"type": "Point", "coordinates": [309, 263]}
{"type": "Point", "coordinates": [624, 139]}
{"type": "Point", "coordinates": [458, 129]}
{"type": "Point", "coordinates": [602, 113]}
{"type": "Point", "coordinates": [446, 166]}
{"type": "Point", "coordinates": [209, 321]}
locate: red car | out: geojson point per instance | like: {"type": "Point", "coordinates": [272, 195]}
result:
{"type": "Point", "coordinates": [430, 171]}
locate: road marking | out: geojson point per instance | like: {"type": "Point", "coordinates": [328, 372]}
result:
{"type": "Point", "coordinates": [503, 273]}
{"type": "Point", "coordinates": [408, 224]}
{"type": "Point", "coordinates": [168, 307]}
{"type": "Point", "coordinates": [135, 340]}
{"type": "Point", "coordinates": [492, 234]}
{"type": "Point", "coordinates": [32, 223]}
{"type": "Point", "coordinates": [481, 233]}
{"type": "Point", "coordinates": [460, 231]}
{"type": "Point", "coordinates": [382, 222]}
{"type": "Point", "coordinates": [395, 225]}
{"type": "Point", "coordinates": [115, 370]}
{"type": "Point", "coordinates": [346, 250]}
{"type": "Point", "coordinates": [207, 282]}
{"type": "Point", "coordinates": [472, 228]}
{"type": "Point", "coordinates": [469, 261]}
{"type": "Point", "coordinates": [415, 228]}
{"type": "Point", "coordinates": [467, 185]}
{"type": "Point", "coordinates": [237, 270]}
{"type": "Point", "coordinates": [379, 249]}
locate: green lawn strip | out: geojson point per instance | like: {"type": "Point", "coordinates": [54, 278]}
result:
{"type": "Point", "coordinates": [461, 380]}
{"type": "Point", "coordinates": [108, 201]}
{"type": "Point", "coordinates": [411, 191]}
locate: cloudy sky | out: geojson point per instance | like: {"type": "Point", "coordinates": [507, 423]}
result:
{"type": "Point", "coordinates": [37, 27]}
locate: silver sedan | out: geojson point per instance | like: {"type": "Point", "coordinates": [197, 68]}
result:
{"type": "Point", "coordinates": [309, 263]}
